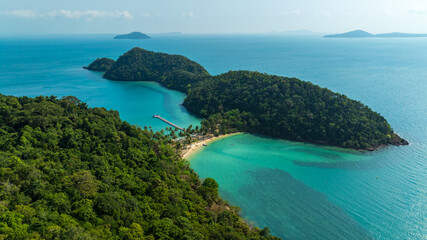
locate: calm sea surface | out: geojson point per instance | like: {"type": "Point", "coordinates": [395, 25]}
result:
{"type": "Point", "coordinates": [300, 191]}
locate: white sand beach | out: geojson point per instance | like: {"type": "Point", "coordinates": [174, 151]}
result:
{"type": "Point", "coordinates": [197, 146]}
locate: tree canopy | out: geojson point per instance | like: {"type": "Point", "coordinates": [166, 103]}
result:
{"type": "Point", "coordinates": [259, 103]}
{"type": "Point", "coordinates": [288, 108]}
{"type": "Point", "coordinates": [173, 71]}
{"type": "Point", "coordinates": [100, 64]}
{"type": "Point", "coordinates": [68, 171]}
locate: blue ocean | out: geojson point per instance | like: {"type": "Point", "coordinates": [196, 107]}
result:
{"type": "Point", "coordinates": [298, 190]}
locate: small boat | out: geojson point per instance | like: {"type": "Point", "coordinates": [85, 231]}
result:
{"type": "Point", "coordinates": [204, 144]}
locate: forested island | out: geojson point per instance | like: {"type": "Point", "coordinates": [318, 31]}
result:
{"type": "Point", "coordinates": [173, 71]}
{"type": "Point", "coordinates": [258, 103]}
{"type": "Point", "coordinates": [132, 35]}
{"type": "Point", "coordinates": [68, 171]}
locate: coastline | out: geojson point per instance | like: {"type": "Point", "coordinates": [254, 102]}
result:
{"type": "Point", "coordinates": [197, 146]}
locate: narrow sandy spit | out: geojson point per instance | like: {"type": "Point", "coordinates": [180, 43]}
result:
{"type": "Point", "coordinates": [199, 145]}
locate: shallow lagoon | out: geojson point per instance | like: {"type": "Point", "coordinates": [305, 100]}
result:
{"type": "Point", "coordinates": [268, 179]}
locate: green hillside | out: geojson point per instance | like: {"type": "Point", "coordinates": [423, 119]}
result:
{"type": "Point", "coordinates": [72, 172]}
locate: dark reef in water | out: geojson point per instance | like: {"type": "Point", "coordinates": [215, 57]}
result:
{"type": "Point", "coordinates": [302, 213]}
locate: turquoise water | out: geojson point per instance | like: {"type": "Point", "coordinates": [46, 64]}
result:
{"type": "Point", "coordinates": [301, 191]}
{"type": "Point", "coordinates": [53, 66]}
{"type": "Point", "coordinates": [304, 191]}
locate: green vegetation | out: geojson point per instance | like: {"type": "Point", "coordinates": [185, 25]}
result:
{"type": "Point", "coordinates": [260, 103]}
{"type": "Point", "coordinates": [173, 71]}
{"type": "Point", "coordinates": [72, 172]}
{"type": "Point", "coordinates": [101, 65]}
{"type": "Point", "coordinates": [287, 108]}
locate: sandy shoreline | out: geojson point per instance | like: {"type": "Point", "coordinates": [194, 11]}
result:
{"type": "Point", "coordinates": [196, 146]}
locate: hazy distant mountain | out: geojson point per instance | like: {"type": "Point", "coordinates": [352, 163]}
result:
{"type": "Point", "coordinates": [352, 34]}
{"type": "Point", "coordinates": [397, 34]}
{"type": "Point", "coordinates": [133, 35]}
{"type": "Point", "coordinates": [363, 34]}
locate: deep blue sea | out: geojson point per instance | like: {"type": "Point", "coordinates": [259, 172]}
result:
{"type": "Point", "coordinates": [300, 191]}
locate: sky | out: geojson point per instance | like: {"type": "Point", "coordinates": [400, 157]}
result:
{"type": "Point", "coordinates": [215, 16]}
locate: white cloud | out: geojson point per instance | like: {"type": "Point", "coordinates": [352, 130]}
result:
{"type": "Point", "coordinates": [70, 14]}
{"type": "Point", "coordinates": [418, 9]}
{"type": "Point", "coordinates": [20, 13]}
{"type": "Point", "coordinates": [89, 14]}
{"type": "Point", "coordinates": [292, 12]}
{"type": "Point", "coordinates": [187, 15]}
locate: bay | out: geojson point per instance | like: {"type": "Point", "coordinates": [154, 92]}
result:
{"type": "Point", "coordinates": [300, 191]}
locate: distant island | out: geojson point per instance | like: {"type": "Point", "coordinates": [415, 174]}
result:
{"type": "Point", "coordinates": [363, 34]}
{"type": "Point", "coordinates": [133, 35]}
{"type": "Point", "coordinates": [259, 103]}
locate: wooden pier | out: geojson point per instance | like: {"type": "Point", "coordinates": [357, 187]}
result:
{"type": "Point", "coordinates": [166, 121]}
